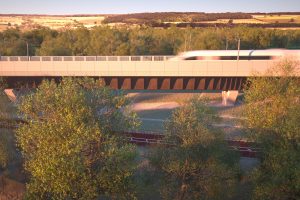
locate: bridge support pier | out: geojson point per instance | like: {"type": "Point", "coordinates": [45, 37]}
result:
{"type": "Point", "coordinates": [10, 93]}
{"type": "Point", "coordinates": [229, 97]}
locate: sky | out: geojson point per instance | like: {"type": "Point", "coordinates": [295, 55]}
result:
{"type": "Point", "coordinates": [134, 6]}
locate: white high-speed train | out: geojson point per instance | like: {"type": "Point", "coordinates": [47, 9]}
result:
{"type": "Point", "coordinates": [269, 54]}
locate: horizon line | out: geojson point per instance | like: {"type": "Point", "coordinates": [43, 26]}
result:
{"type": "Point", "coordinates": [93, 14]}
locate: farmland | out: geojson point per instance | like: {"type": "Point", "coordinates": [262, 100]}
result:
{"type": "Point", "coordinates": [61, 22]}
{"type": "Point", "coordinates": [28, 22]}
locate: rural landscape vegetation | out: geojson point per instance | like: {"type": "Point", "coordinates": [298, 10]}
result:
{"type": "Point", "coordinates": [63, 140]}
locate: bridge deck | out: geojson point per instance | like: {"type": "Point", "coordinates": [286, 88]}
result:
{"type": "Point", "coordinates": [128, 66]}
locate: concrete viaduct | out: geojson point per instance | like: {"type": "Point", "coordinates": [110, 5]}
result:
{"type": "Point", "coordinates": [134, 72]}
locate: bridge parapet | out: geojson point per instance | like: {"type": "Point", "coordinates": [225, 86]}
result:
{"type": "Point", "coordinates": [86, 58]}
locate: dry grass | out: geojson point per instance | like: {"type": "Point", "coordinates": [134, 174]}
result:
{"type": "Point", "coordinates": [235, 111]}
{"type": "Point", "coordinates": [53, 22]}
{"type": "Point", "coordinates": [277, 18]}
{"type": "Point", "coordinates": [237, 21]}
{"type": "Point", "coordinates": [3, 27]}
{"type": "Point", "coordinates": [13, 20]}
{"type": "Point", "coordinates": [257, 19]}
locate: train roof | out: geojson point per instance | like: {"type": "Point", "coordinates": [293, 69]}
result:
{"type": "Point", "coordinates": [267, 52]}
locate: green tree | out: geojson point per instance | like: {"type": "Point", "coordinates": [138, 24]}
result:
{"type": "Point", "coordinates": [54, 47]}
{"type": "Point", "coordinates": [69, 145]}
{"type": "Point", "coordinates": [139, 40]}
{"type": "Point", "coordinates": [108, 41]}
{"type": "Point", "coordinates": [273, 115]}
{"type": "Point", "coordinates": [143, 40]}
{"type": "Point", "coordinates": [82, 41]}
{"type": "Point", "coordinates": [7, 112]}
{"type": "Point", "coordinates": [198, 164]}
{"type": "Point", "coordinates": [8, 153]}
{"type": "Point", "coordinates": [4, 154]}
{"type": "Point", "coordinates": [6, 108]}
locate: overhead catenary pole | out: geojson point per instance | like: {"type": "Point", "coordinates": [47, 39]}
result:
{"type": "Point", "coordinates": [27, 50]}
{"type": "Point", "coordinates": [239, 44]}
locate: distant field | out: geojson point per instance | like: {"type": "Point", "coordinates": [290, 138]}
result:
{"type": "Point", "coordinates": [28, 22]}
{"type": "Point", "coordinates": [262, 19]}
{"type": "Point", "coordinates": [278, 18]}
{"type": "Point", "coordinates": [237, 21]}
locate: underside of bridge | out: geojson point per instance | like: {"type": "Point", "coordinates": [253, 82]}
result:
{"type": "Point", "coordinates": [146, 83]}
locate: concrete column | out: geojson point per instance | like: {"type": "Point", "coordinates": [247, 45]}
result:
{"type": "Point", "coordinates": [229, 97]}
{"type": "Point", "coordinates": [11, 94]}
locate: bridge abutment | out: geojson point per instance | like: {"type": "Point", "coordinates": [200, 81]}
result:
{"type": "Point", "coordinates": [229, 97]}
{"type": "Point", "coordinates": [10, 93]}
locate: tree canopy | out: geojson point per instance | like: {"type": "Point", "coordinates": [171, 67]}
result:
{"type": "Point", "coordinates": [70, 147]}
{"type": "Point", "coordinates": [9, 155]}
{"type": "Point", "coordinates": [142, 40]}
{"type": "Point", "coordinates": [197, 164]}
{"type": "Point", "coordinates": [273, 115]}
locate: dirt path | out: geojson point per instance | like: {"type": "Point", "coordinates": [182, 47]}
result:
{"type": "Point", "coordinates": [10, 189]}
{"type": "Point", "coordinates": [154, 106]}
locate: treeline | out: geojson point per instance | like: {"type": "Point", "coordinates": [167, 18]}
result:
{"type": "Point", "coordinates": [173, 17]}
{"type": "Point", "coordinates": [230, 24]}
{"type": "Point", "coordinates": [276, 13]}
{"type": "Point", "coordinates": [141, 40]}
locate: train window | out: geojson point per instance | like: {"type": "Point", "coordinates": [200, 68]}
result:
{"type": "Point", "coordinates": [228, 57]}
{"type": "Point", "coordinates": [260, 58]}
{"type": "Point", "coordinates": [191, 58]}
{"type": "Point", "coordinates": [245, 57]}
{"type": "Point", "coordinates": [202, 58]}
